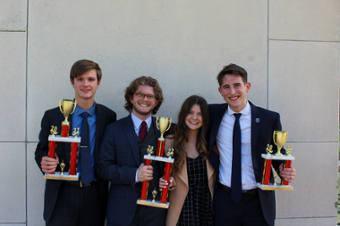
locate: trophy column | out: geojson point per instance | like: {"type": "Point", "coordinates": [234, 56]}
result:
{"type": "Point", "coordinates": [148, 158]}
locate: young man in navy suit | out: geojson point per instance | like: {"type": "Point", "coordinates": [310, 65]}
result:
{"type": "Point", "coordinates": [76, 203]}
{"type": "Point", "coordinates": [124, 144]}
{"type": "Point", "coordinates": [237, 159]}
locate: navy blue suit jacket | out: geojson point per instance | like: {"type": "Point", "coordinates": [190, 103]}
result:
{"type": "Point", "coordinates": [263, 124]}
{"type": "Point", "coordinates": [119, 161]}
{"type": "Point", "coordinates": [55, 117]}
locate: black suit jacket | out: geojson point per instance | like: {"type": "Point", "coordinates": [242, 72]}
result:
{"type": "Point", "coordinates": [119, 160]}
{"type": "Point", "coordinates": [263, 124]}
{"type": "Point", "coordinates": [55, 117]}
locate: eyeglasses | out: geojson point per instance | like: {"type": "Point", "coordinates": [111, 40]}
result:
{"type": "Point", "coordinates": [142, 96]}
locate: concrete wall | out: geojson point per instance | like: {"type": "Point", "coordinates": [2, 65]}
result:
{"type": "Point", "coordinates": [290, 49]}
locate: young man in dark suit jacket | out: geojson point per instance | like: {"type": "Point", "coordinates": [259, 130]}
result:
{"type": "Point", "coordinates": [237, 200]}
{"type": "Point", "coordinates": [121, 157]}
{"type": "Point", "coordinates": [76, 203]}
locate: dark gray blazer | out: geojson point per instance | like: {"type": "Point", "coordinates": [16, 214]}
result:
{"type": "Point", "coordinates": [119, 160]}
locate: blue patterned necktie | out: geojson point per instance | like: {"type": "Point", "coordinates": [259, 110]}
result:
{"type": "Point", "coordinates": [85, 152]}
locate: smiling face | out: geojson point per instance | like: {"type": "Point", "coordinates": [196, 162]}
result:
{"type": "Point", "coordinates": [234, 91]}
{"type": "Point", "coordinates": [143, 101]}
{"type": "Point", "coordinates": [85, 86]}
{"type": "Point", "coordinates": [194, 119]}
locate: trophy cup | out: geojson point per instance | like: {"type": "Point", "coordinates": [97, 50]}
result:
{"type": "Point", "coordinates": [163, 124]}
{"type": "Point", "coordinates": [66, 107]}
{"type": "Point", "coordinates": [280, 138]}
{"type": "Point", "coordinates": [144, 193]}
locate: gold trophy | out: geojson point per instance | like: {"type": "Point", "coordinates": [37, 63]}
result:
{"type": "Point", "coordinates": [279, 138]}
{"type": "Point", "coordinates": [66, 107]}
{"type": "Point", "coordinates": [163, 124]}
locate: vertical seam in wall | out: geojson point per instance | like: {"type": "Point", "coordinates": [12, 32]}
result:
{"type": "Point", "coordinates": [267, 54]}
{"type": "Point", "coordinates": [26, 113]}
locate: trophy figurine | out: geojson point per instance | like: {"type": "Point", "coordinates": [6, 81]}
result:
{"type": "Point", "coordinates": [279, 138]}
{"type": "Point", "coordinates": [163, 124]}
{"type": "Point", "coordinates": [67, 108]}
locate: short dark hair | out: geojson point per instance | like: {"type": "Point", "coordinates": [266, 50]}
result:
{"type": "Point", "coordinates": [232, 69]}
{"type": "Point", "coordinates": [149, 81]}
{"type": "Point", "coordinates": [82, 66]}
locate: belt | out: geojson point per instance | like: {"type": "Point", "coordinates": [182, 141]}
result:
{"type": "Point", "coordinates": [80, 184]}
{"type": "Point", "coordinates": [245, 193]}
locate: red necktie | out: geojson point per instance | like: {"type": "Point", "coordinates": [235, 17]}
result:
{"type": "Point", "coordinates": [143, 131]}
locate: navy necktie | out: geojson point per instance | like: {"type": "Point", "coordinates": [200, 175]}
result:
{"type": "Point", "coordinates": [236, 184]}
{"type": "Point", "coordinates": [143, 131]}
{"type": "Point", "coordinates": [85, 152]}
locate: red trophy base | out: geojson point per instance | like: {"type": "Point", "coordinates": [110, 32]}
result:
{"type": "Point", "coordinates": [265, 185]}
{"type": "Point", "coordinates": [66, 175]}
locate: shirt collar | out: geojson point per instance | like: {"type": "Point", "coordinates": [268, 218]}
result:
{"type": "Point", "coordinates": [137, 121]}
{"type": "Point", "coordinates": [244, 111]}
{"type": "Point", "coordinates": [91, 111]}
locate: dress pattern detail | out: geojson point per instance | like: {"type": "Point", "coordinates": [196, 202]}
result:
{"type": "Point", "coordinates": [197, 210]}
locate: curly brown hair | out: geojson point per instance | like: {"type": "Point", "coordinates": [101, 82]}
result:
{"type": "Point", "coordinates": [180, 133]}
{"type": "Point", "coordinates": [144, 80]}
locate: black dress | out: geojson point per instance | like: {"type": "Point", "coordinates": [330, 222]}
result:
{"type": "Point", "coordinates": [197, 210]}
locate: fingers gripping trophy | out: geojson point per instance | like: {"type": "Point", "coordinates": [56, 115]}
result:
{"type": "Point", "coordinates": [280, 138]}
{"type": "Point", "coordinates": [67, 108]}
{"type": "Point", "coordinates": [163, 124]}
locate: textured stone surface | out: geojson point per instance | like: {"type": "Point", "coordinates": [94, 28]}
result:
{"type": "Point", "coordinates": [12, 86]}
{"type": "Point", "coordinates": [35, 190]}
{"type": "Point", "coordinates": [13, 187]}
{"type": "Point", "coordinates": [307, 221]}
{"type": "Point", "coordinates": [13, 15]}
{"type": "Point", "coordinates": [303, 87]}
{"type": "Point", "coordinates": [312, 20]}
{"type": "Point", "coordinates": [181, 44]}
{"type": "Point", "coordinates": [315, 187]}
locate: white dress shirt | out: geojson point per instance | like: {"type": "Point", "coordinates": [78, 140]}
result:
{"type": "Point", "coordinates": [224, 140]}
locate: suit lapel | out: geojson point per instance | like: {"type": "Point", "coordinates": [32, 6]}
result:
{"type": "Point", "coordinates": [100, 123]}
{"type": "Point", "coordinates": [132, 138]}
{"type": "Point", "coordinates": [255, 125]}
{"type": "Point", "coordinates": [157, 132]}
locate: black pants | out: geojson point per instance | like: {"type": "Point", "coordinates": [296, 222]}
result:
{"type": "Point", "coordinates": [247, 212]}
{"type": "Point", "coordinates": [77, 206]}
{"type": "Point", "coordinates": [147, 216]}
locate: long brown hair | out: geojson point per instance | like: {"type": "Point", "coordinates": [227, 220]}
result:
{"type": "Point", "coordinates": [181, 130]}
